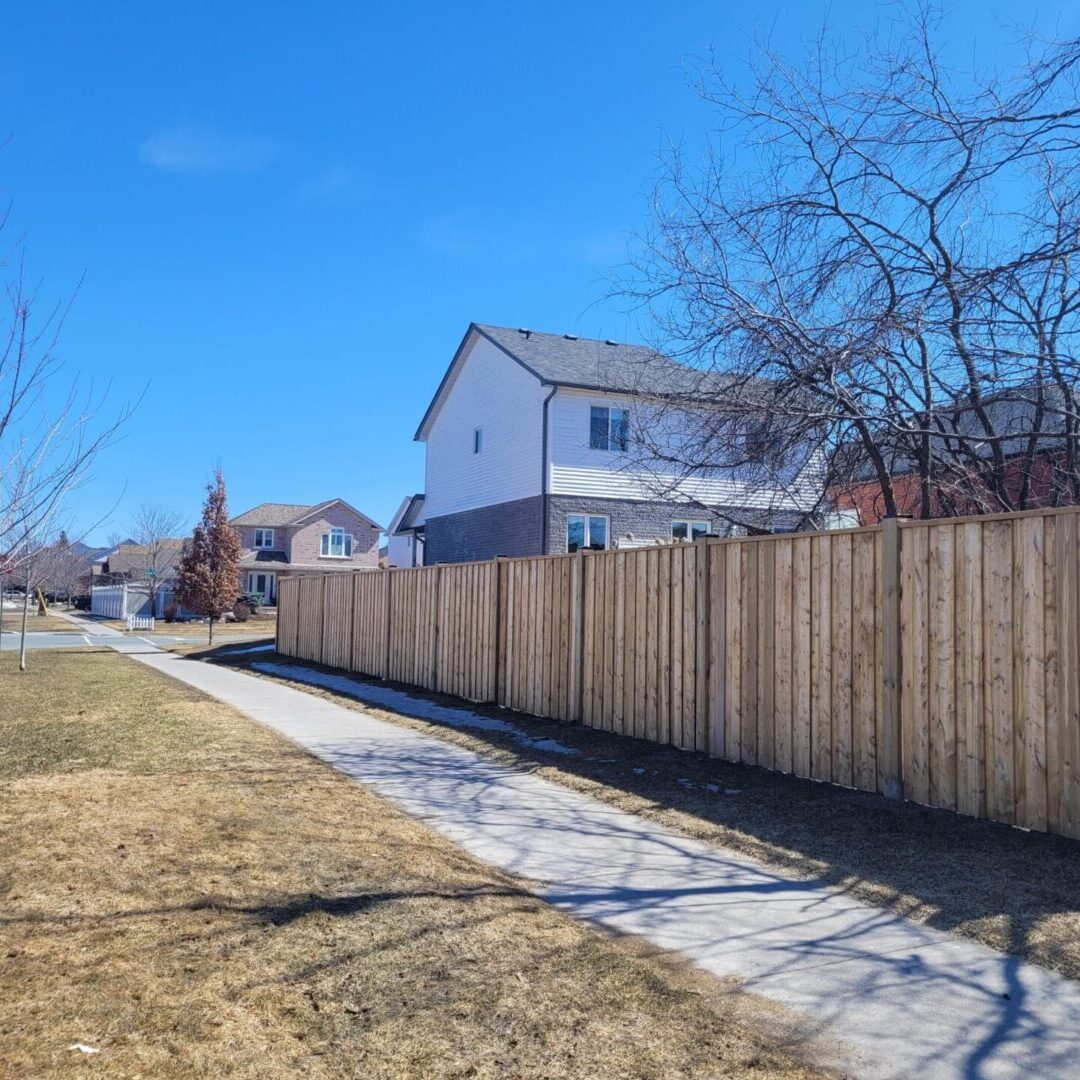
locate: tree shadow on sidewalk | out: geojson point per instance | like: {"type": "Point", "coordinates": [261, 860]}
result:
{"type": "Point", "coordinates": [1013, 890]}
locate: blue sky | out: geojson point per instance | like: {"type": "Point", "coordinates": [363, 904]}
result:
{"type": "Point", "coordinates": [284, 216]}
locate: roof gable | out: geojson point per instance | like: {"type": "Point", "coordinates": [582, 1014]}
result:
{"type": "Point", "coordinates": [281, 515]}
{"type": "Point", "coordinates": [271, 515]}
{"type": "Point", "coordinates": [571, 361]}
{"type": "Point", "coordinates": [409, 514]}
{"type": "Point", "coordinates": [311, 511]}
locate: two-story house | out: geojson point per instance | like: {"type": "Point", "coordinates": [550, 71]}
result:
{"type": "Point", "coordinates": [279, 539]}
{"type": "Point", "coordinates": [528, 441]}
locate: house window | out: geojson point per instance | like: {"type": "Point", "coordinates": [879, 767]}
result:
{"type": "Point", "coordinates": [609, 429]}
{"type": "Point", "coordinates": [689, 530]}
{"type": "Point", "coordinates": [337, 544]}
{"type": "Point", "coordinates": [477, 440]}
{"type": "Point", "coordinates": [586, 531]}
{"type": "Point", "coordinates": [264, 538]}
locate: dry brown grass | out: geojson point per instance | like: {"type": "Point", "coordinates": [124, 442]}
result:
{"type": "Point", "coordinates": [257, 625]}
{"type": "Point", "coordinates": [1015, 891]}
{"type": "Point", "coordinates": [36, 624]}
{"type": "Point", "coordinates": [195, 896]}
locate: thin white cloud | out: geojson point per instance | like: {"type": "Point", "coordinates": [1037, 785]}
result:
{"type": "Point", "coordinates": [195, 150]}
{"type": "Point", "coordinates": [337, 184]}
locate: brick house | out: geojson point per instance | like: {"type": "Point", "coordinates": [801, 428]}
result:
{"type": "Point", "coordinates": [528, 452]}
{"type": "Point", "coordinates": [1034, 480]}
{"type": "Point", "coordinates": [279, 539]}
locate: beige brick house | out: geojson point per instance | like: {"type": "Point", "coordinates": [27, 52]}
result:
{"type": "Point", "coordinates": [279, 539]}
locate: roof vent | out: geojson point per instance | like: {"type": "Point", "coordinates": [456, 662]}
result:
{"type": "Point", "coordinates": [608, 341]}
{"type": "Point", "coordinates": [570, 337]}
{"type": "Point", "coordinates": [523, 330]}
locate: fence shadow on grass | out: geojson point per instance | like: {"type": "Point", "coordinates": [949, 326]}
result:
{"type": "Point", "coordinates": [988, 881]}
{"type": "Point", "coordinates": [614, 869]}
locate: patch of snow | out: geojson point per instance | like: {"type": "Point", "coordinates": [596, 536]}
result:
{"type": "Point", "coordinates": [712, 787]}
{"type": "Point", "coordinates": [638, 771]}
{"type": "Point", "coordinates": [397, 701]}
{"type": "Point", "coordinates": [732, 791]}
{"type": "Point", "coordinates": [251, 648]}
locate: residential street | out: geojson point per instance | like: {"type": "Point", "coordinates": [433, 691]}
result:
{"type": "Point", "coordinates": [903, 1000]}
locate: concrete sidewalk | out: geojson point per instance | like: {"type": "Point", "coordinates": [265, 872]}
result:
{"type": "Point", "coordinates": [899, 999]}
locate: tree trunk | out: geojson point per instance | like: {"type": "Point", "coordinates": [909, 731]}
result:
{"type": "Point", "coordinates": [25, 611]}
{"type": "Point", "coordinates": [211, 638]}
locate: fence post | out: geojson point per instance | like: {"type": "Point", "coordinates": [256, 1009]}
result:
{"type": "Point", "coordinates": [891, 660]}
{"type": "Point", "coordinates": [277, 624]}
{"type": "Point", "coordinates": [497, 694]}
{"type": "Point", "coordinates": [388, 622]}
{"type": "Point", "coordinates": [716, 629]}
{"type": "Point", "coordinates": [436, 612]}
{"type": "Point", "coordinates": [577, 596]}
{"type": "Point", "coordinates": [322, 620]}
{"type": "Point", "coordinates": [702, 643]}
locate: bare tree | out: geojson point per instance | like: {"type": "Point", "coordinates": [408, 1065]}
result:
{"type": "Point", "coordinates": [51, 430]}
{"type": "Point", "coordinates": [68, 566]}
{"type": "Point", "coordinates": [155, 531]}
{"type": "Point", "coordinates": [878, 254]}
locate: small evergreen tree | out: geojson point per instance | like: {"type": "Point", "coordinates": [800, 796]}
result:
{"type": "Point", "coordinates": [208, 574]}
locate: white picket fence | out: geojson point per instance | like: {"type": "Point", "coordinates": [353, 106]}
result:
{"type": "Point", "coordinates": [121, 601]}
{"type": "Point", "coordinates": [140, 622]}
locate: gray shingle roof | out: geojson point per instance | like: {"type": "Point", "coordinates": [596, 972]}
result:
{"type": "Point", "coordinates": [131, 559]}
{"type": "Point", "coordinates": [565, 360]}
{"type": "Point", "coordinates": [586, 363]}
{"type": "Point", "coordinates": [1013, 416]}
{"type": "Point", "coordinates": [270, 515]}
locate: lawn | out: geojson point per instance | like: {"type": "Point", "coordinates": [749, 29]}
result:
{"type": "Point", "coordinates": [1013, 890]}
{"type": "Point", "coordinates": [191, 895]}
{"type": "Point", "coordinates": [257, 625]}
{"type": "Point", "coordinates": [36, 624]}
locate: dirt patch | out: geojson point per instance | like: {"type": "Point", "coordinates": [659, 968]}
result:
{"type": "Point", "coordinates": [192, 895]}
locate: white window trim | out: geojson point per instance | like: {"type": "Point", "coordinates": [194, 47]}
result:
{"type": "Point", "coordinates": [325, 540]}
{"type": "Point", "coordinates": [265, 533]}
{"type": "Point", "coordinates": [586, 515]}
{"type": "Point", "coordinates": [689, 523]}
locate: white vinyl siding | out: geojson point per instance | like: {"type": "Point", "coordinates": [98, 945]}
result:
{"type": "Point", "coordinates": [575, 468]}
{"type": "Point", "coordinates": [493, 393]}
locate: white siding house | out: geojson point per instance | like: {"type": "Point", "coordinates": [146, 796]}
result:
{"type": "Point", "coordinates": [405, 536]}
{"type": "Point", "coordinates": [491, 395]}
{"type": "Point", "coordinates": [528, 442]}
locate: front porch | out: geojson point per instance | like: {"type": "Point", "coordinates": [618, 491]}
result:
{"type": "Point", "coordinates": [261, 582]}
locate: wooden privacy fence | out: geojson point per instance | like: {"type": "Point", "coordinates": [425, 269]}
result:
{"type": "Point", "coordinates": [937, 660]}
